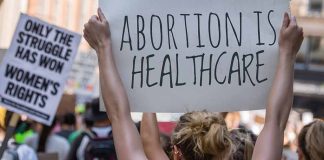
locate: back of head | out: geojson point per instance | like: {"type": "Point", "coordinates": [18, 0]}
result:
{"type": "Point", "coordinates": [311, 140]}
{"type": "Point", "coordinates": [93, 112]}
{"type": "Point", "coordinates": [244, 141]}
{"type": "Point", "coordinates": [69, 119]}
{"type": "Point", "coordinates": [202, 136]}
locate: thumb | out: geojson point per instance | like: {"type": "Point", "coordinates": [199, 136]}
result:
{"type": "Point", "coordinates": [102, 17]}
{"type": "Point", "coordinates": [293, 21]}
{"type": "Point", "coordinates": [286, 20]}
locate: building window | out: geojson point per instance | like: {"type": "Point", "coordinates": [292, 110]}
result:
{"type": "Point", "coordinates": [315, 6]}
{"type": "Point", "coordinates": [311, 56]}
{"type": "Point", "coordinates": [317, 51]}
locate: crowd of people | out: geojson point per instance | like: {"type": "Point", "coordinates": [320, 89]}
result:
{"type": "Point", "coordinates": [63, 138]}
{"type": "Point", "coordinates": [198, 135]}
{"type": "Point", "coordinates": [202, 133]}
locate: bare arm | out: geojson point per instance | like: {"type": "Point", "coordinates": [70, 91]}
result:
{"type": "Point", "coordinates": [151, 138]}
{"type": "Point", "coordinates": [270, 141]}
{"type": "Point", "coordinates": [126, 137]}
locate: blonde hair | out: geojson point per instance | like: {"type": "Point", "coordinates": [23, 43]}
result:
{"type": "Point", "coordinates": [202, 136]}
{"type": "Point", "coordinates": [311, 140]}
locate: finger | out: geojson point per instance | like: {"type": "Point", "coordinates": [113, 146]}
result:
{"type": "Point", "coordinates": [85, 36]}
{"type": "Point", "coordinates": [85, 26]}
{"type": "Point", "coordinates": [102, 17]}
{"type": "Point", "coordinates": [300, 30]}
{"type": "Point", "coordinates": [93, 18]}
{"type": "Point", "coordinates": [302, 33]}
{"type": "Point", "coordinates": [86, 29]}
{"type": "Point", "coordinates": [86, 32]}
{"type": "Point", "coordinates": [293, 21]}
{"type": "Point", "coordinates": [89, 40]}
{"type": "Point", "coordinates": [286, 20]}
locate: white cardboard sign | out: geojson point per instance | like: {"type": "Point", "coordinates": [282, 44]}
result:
{"type": "Point", "coordinates": [183, 55]}
{"type": "Point", "coordinates": [34, 70]}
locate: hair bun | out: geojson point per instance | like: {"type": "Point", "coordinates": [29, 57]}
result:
{"type": "Point", "coordinates": [201, 124]}
{"type": "Point", "coordinates": [207, 133]}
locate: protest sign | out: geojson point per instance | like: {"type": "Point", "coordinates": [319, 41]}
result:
{"type": "Point", "coordinates": [34, 70]}
{"type": "Point", "coordinates": [84, 76]}
{"type": "Point", "coordinates": [180, 55]}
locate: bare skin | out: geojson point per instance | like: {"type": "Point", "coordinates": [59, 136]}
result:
{"type": "Point", "coordinates": [151, 138]}
{"type": "Point", "coordinates": [269, 144]}
{"type": "Point", "coordinates": [128, 141]}
{"type": "Point", "coordinates": [126, 137]}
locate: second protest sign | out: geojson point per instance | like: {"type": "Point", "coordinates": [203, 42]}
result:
{"type": "Point", "coordinates": [34, 70]}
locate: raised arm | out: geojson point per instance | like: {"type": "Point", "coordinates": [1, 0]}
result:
{"type": "Point", "coordinates": [126, 137]}
{"type": "Point", "coordinates": [270, 141]}
{"type": "Point", "coordinates": [151, 138]}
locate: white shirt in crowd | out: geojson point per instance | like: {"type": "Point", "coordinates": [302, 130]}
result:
{"type": "Point", "coordinates": [23, 151]}
{"type": "Point", "coordinates": [55, 144]}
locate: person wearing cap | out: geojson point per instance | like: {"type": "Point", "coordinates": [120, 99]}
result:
{"type": "Point", "coordinates": [101, 127]}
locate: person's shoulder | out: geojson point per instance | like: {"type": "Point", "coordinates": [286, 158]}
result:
{"type": "Point", "coordinates": [58, 140]}
{"type": "Point", "coordinates": [74, 135]}
{"type": "Point", "coordinates": [26, 152]}
{"type": "Point", "coordinates": [32, 137]}
{"type": "Point", "coordinates": [32, 141]}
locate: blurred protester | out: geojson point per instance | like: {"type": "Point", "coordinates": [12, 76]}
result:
{"type": "Point", "coordinates": [68, 125]}
{"type": "Point", "coordinates": [86, 127]}
{"type": "Point", "coordinates": [14, 151]}
{"type": "Point", "coordinates": [290, 137]}
{"type": "Point", "coordinates": [96, 142]}
{"type": "Point", "coordinates": [49, 142]}
{"type": "Point", "coordinates": [311, 141]}
{"type": "Point", "coordinates": [23, 131]}
{"type": "Point", "coordinates": [198, 135]}
{"type": "Point", "coordinates": [82, 124]}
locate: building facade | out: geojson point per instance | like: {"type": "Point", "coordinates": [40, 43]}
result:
{"type": "Point", "coordinates": [70, 14]}
{"type": "Point", "coordinates": [309, 70]}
